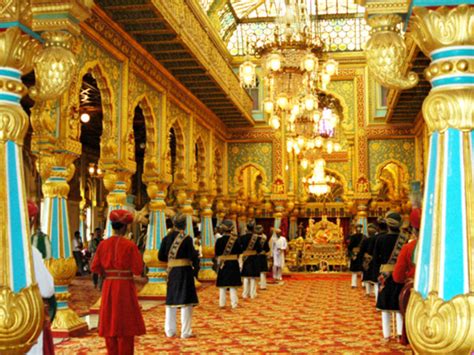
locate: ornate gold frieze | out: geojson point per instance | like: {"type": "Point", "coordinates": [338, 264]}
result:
{"type": "Point", "coordinates": [100, 27]}
{"type": "Point", "coordinates": [386, 53]}
{"type": "Point", "coordinates": [21, 319]}
{"type": "Point", "coordinates": [436, 326]}
{"type": "Point", "coordinates": [443, 27]}
{"type": "Point", "coordinates": [17, 49]}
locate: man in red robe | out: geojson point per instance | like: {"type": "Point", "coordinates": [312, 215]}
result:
{"type": "Point", "coordinates": [117, 258]}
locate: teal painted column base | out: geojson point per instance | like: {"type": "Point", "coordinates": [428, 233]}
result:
{"type": "Point", "coordinates": [155, 288]}
{"type": "Point", "coordinates": [206, 273]}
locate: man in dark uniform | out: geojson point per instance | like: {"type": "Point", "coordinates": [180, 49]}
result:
{"type": "Point", "coordinates": [177, 249]}
{"type": "Point", "coordinates": [386, 250]}
{"type": "Point", "coordinates": [369, 274]}
{"type": "Point", "coordinates": [227, 250]}
{"type": "Point", "coordinates": [355, 241]}
{"type": "Point", "coordinates": [262, 256]}
{"type": "Point", "coordinates": [250, 267]}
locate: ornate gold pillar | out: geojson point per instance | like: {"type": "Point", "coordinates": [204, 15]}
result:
{"type": "Point", "coordinates": [440, 314]}
{"type": "Point", "coordinates": [156, 286]}
{"type": "Point", "coordinates": [361, 201]}
{"type": "Point", "coordinates": [21, 318]}
{"type": "Point", "coordinates": [56, 171]}
{"type": "Point", "coordinates": [117, 182]}
{"type": "Point", "coordinates": [207, 239]}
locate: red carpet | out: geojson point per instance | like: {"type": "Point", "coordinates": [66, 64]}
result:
{"type": "Point", "coordinates": [312, 313]}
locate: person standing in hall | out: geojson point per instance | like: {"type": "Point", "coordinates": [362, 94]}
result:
{"type": "Point", "coordinates": [93, 245]}
{"type": "Point", "coordinates": [177, 249]}
{"type": "Point", "coordinates": [262, 256]}
{"type": "Point", "coordinates": [77, 252]}
{"type": "Point", "coordinates": [227, 250]}
{"type": "Point", "coordinates": [279, 245]}
{"type": "Point", "coordinates": [250, 268]}
{"type": "Point", "coordinates": [369, 274]}
{"type": "Point", "coordinates": [386, 251]}
{"type": "Point", "coordinates": [355, 242]}
{"type": "Point", "coordinates": [404, 271]}
{"type": "Point", "coordinates": [118, 259]}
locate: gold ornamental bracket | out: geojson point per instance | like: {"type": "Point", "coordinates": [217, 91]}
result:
{"type": "Point", "coordinates": [386, 53]}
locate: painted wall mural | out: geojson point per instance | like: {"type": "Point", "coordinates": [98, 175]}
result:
{"type": "Point", "coordinates": [241, 153]}
{"type": "Point", "coordinates": [401, 150]}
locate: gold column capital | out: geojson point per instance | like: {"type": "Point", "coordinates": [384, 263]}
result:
{"type": "Point", "coordinates": [386, 53]}
{"type": "Point", "coordinates": [442, 27]}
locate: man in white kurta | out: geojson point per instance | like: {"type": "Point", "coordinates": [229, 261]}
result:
{"type": "Point", "coordinates": [279, 245]}
{"type": "Point", "coordinates": [46, 287]}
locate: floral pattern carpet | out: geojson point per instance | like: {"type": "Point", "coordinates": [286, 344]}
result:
{"type": "Point", "coordinates": [309, 313]}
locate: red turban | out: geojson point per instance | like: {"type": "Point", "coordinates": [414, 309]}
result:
{"type": "Point", "coordinates": [415, 218]}
{"type": "Point", "coordinates": [32, 209]}
{"type": "Point", "coordinates": [121, 216]}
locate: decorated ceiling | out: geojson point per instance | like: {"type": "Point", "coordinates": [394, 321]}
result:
{"type": "Point", "coordinates": [239, 22]}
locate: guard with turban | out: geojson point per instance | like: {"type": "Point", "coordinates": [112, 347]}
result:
{"type": "Point", "coordinates": [404, 271]}
{"type": "Point", "coordinates": [262, 256]}
{"type": "Point", "coordinates": [177, 249]}
{"type": "Point", "coordinates": [279, 246]}
{"type": "Point", "coordinates": [250, 267]}
{"type": "Point", "coordinates": [369, 273]}
{"type": "Point", "coordinates": [227, 250]}
{"type": "Point", "coordinates": [118, 259]}
{"type": "Point", "coordinates": [386, 251]}
{"type": "Point", "coordinates": [355, 244]}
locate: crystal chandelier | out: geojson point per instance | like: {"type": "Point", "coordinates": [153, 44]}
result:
{"type": "Point", "coordinates": [292, 74]}
{"type": "Point", "coordinates": [318, 183]}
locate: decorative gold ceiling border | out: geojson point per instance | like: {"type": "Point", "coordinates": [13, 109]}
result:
{"type": "Point", "coordinates": [193, 34]}
{"type": "Point", "coordinates": [112, 37]}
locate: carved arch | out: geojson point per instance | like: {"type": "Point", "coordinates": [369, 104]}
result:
{"type": "Point", "coordinates": [217, 176]}
{"type": "Point", "coordinates": [392, 179]}
{"type": "Point", "coordinates": [108, 146]}
{"type": "Point", "coordinates": [180, 171]}
{"type": "Point", "coordinates": [200, 166]}
{"type": "Point", "coordinates": [256, 186]}
{"type": "Point", "coordinates": [151, 153]}
{"type": "Point", "coordinates": [338, 189]}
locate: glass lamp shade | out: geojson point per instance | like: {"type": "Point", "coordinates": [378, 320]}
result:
{"type": "Point", "coordinates": [310, 103]}
{"type": "Point", "coordinates": [275, 122]}
{"type": "Point", "coordinates": [268, 106]}
{"type": "Point", "coordinates": [85, 117]}
{"type": "Point", "coordinates": [325, 80]}
{"type": "Point", "coordinates": [329, 147]}
{"type": "Point", "coordinates": [247, 75]}
{"type": "Point", "coordinates": [331, 67]}
{"type": "Point", "coordinates": [318, 142]}
{"type": "Point", "coordinates": [300, 141]}
{"type": "Point", "coordinates": [310, 62]}
{"type": "Point", "coordinates": [274, 62]}
{"type": "Point", "coordinates": [282, 101]}
{"type": "Point", "coordinates": [304, 163]}
{"type": "Point", "coordinates": [337, 147]}
{"type": "Point", "coordinates": [295, 110]}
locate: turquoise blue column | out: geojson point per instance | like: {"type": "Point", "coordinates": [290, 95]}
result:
{"type": "Point", "coordinates": [117, 195]}
{"type": "Point", "coordinates": [156, 286]}
{"type": "Point", "coordinates": [206, 273]}
{"type": "Point", "coordinates": [362, 217]}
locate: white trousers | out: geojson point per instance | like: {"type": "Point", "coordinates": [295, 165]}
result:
{"type": "Point", "coordinates": [234, 299]}
{"type": "Point", "coordinates": [277, 273]}
{"type": "Point", "coordinates": [170, 321]}
{"type": "Point", "coordinates": [354, 279]}
{"type": "Point", "coordinates": [37, 349]}
{"type": "Point", "coordinates": [250, 287]}
{"type": "Point", "coordinates": [263, 280]}
{"type": "Point", "coordinates": [387, 320]}
{"type": "Point", "coordinates": [374, 285]}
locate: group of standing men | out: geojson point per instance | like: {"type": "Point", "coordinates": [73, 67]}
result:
{"type": "Point", "coordinates": [386, 260]}
{"type": "Point", "coordinates": [241, 261]}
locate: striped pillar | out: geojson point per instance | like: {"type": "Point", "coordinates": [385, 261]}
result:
{"type": "Point", "coordinates": [156, 286]}
{"type": "Point", "coordinates": [20, 326]}
{"type": "Point", "coordinates": [440, 312]}
{"type": "Point", "coordinates": [55, 221]}
{"type": "Point", "coordinates": [361, 217]}
{"type": "Point", "coordinates": [293, 232]}
{"type": "Point", "coordinates": [116, 199]}
{"type": "Point", "coordinates": [207, 241]}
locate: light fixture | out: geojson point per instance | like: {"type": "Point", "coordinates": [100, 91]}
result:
{"type": "Point", "coordinates": [85, 117]}
{"type": "Point", "coordinates": [95, 171]}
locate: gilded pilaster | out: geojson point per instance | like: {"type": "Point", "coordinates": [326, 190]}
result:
{"type": "Point", "coordinates": [117, 182]}
{"type": "Point", "coordinates": [440, 311]}
{"type": "Point", "coordinates": [156, 286]}
{"type": "Point", "coordinates": [21, 319]}
{"type": "Point", "coordinates": [206, 273]}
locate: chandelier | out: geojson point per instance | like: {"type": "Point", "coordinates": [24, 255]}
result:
{"type": "Point", "coordinates": [292, 74]}
{"type": "Point", "coordinates": [318, 183]}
